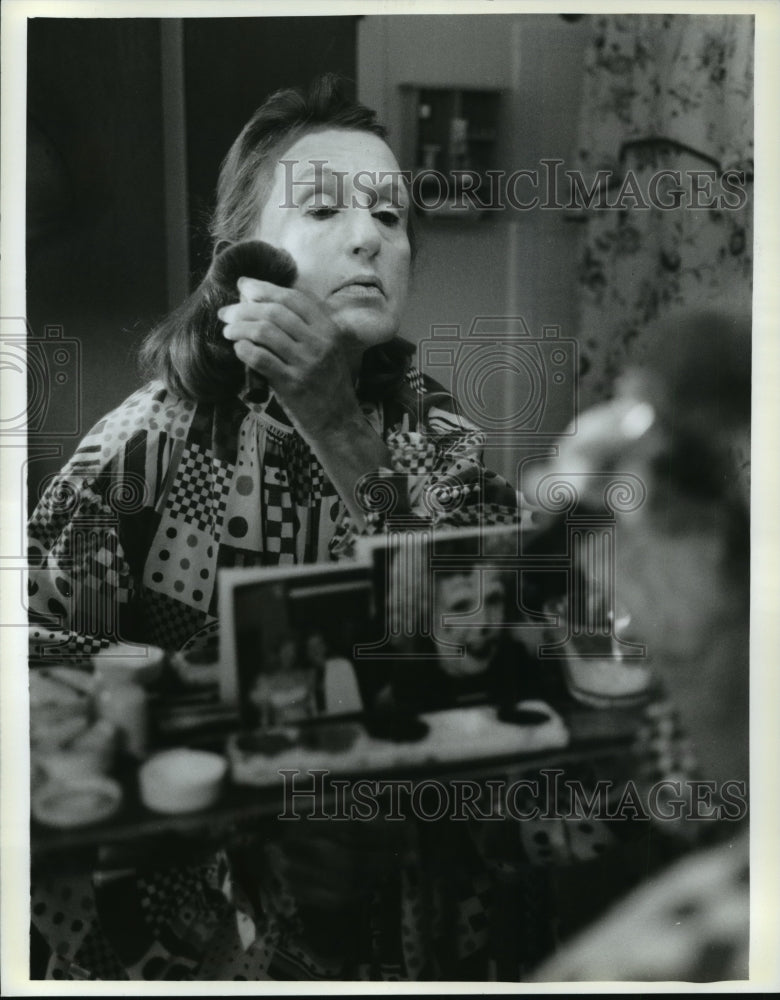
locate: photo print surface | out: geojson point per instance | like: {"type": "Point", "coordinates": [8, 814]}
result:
{"type": "Point", "coordinates": [288, 653]}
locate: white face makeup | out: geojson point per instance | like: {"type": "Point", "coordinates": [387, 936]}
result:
{"type": "Point", "coordinates": [479, 597]}
{"type": "Point", "coordinates": [338, 206]}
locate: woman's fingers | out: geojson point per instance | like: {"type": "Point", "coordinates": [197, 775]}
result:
{"type": "Point", "coordinates": [278, 334]}
{"type": "Point", "coordinates": [261, 360]}
{"type": "Point", "coordinates": [266, 335]}
{"type": "Point", "coordinates": [253, 290]}
{"type": "Point", "coordinates": [290, 339]}
{"type": "Point", "coordinates": [265, 313]}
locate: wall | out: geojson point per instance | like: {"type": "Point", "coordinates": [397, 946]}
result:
{"type": "Point", "coordinates": [507, 264]}
{"type": "Point", "coordinates": [95, 233]}
{"type": "Point", "coordinates": [221, 91]}
{"type": "Point", "coordinates": [114, 136]}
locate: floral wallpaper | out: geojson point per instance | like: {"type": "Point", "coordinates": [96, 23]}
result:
{"type": "Point", "coordinates": [662, 93]}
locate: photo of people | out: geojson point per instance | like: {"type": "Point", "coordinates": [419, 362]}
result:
{"type": "Point", "coordinates": [448, 614]}
{"type": "Point", "coordinates": [289, 652]}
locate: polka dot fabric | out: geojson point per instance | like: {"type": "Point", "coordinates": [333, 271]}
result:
{"type": "Point", "coordinates": [126, 541]}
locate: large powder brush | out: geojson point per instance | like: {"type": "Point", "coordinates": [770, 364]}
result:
{"type": "Point", "coordinates": [249, 259]}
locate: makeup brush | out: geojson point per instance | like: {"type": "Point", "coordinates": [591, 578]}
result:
{"type": "Point", "coordinates": [250, 259]}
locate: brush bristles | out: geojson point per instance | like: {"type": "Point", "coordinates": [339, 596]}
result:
{"type": "Point", "coordinates": [252, 259]}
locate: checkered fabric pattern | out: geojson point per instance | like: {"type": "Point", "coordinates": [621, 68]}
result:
{"type": "Point", "coordinates": [47, 523]}
{"type": "Point", "coordinates": [305, 474]}
{"type": "Point", "coordinates": [415, 380]}
{"type": "Point", "coordinates": [171, 622]}
{"type": "Point", "coordinates": [96, 955]}
{"type": "Point", "coordinates": [86, 645]}
{"type": "Point", "coordinates": [102, 564]}
{"type": "Point", "coordinates": [251, 505]}
{"type": "Point", "coordinates": [199, 494]}
{"type": "Point", "coordinates": [281, 521]}
{"type": "Point", "coordinates": [67, 497]}
{"type": "Point", "coordinates": [412, 452]}
{"type": "Point", "coordinates": [255, 515]}
{"type": "Point", "coordinates": [483, 514]}
{"type": "Point", "coordinates": [70, 645]}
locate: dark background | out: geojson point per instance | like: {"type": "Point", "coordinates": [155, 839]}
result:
{"type": "Point", "coordinates": [96, 230]}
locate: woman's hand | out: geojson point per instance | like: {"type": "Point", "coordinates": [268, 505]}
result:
{"type": "Point", "coordinates": [310, 363]}
{"type": "Point", "coordinates": [288, 337]}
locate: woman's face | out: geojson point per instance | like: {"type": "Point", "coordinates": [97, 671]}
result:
{"type": "Point", "coordinates": [338, 207]}
{"type": "Point", "coordinates": [478, 598]}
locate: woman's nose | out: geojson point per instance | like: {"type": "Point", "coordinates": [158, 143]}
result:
{"type": "Point", "coordinates": [363, 233]}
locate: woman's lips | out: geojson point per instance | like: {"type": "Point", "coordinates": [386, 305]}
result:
{"type": "Point", "coordinates": [360, 291]}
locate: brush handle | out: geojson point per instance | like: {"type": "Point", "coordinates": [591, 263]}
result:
{"type": "Point", "coordinates": [252, 259]}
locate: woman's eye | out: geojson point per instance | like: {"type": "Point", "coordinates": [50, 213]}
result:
{"type": "Point", "coordinates": [323, 212]}
{"type": "Point", "coordinates": [387, 218]}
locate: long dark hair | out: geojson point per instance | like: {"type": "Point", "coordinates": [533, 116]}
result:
{"type": "Point", "coordinates": [187, 350]}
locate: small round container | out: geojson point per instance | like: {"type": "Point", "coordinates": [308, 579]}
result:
{"type": "Point", "coordinates": [598, 670]}
{"type": "Point", "coordinates": [608, 683]}
{"type": "Point", "coordinates": [76, 801]}
{"type": "Point", "coordinates": [181, 780]}
{"type": "Point", "coordinates": [139, 663]}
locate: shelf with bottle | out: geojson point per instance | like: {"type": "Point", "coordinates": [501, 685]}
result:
{"type": "Point", "coordinates": [451, 136]}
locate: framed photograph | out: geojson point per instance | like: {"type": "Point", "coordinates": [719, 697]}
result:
{"type": "Point", "coordinates": [288, 641]}
{"type": "Point", "coordinates": [457, 619]}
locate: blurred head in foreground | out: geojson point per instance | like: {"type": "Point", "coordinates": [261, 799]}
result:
{"type": "Point", "coordinates": [680, 423]}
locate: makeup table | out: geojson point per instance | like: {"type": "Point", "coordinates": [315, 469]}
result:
{"type": "Point", "coordinates": [135, 836]}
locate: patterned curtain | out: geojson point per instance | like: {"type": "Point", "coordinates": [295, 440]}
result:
{"type": "Point", "coordinates": [662, 93]}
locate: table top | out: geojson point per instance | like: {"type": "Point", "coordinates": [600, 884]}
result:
{"type": "Point", "coordinates": [135, 836]}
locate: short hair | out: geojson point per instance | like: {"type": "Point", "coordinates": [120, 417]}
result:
{"type": "Point", "coordinates": [187, 350]}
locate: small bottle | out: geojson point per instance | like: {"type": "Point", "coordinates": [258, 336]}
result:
{"type": "Point", "coordinates": [123, 702]}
